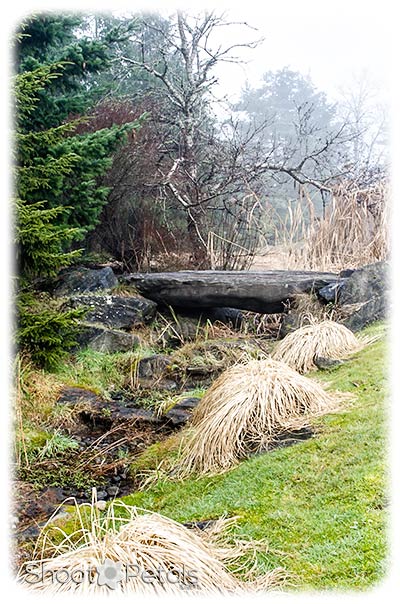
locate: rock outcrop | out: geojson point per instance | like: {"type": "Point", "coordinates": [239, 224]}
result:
{"type": "Point", "coordinates": [363, 296]}
{"type": "Point", "coordinates": [106, 340]}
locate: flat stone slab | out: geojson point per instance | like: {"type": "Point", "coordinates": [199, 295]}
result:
{"type": "Point", "coordinates": [263, 291]}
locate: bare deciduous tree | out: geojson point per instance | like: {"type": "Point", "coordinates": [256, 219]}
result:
{"type": "Point", "coordinates": [216, 172]}
{"type": "Point", "coordinates": [192, 176]}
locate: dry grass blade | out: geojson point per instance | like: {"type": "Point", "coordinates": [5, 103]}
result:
{"type": "Point", "coordinates": [324, 339]}
{"type": "Point", "coordinates": [146, 540]}
{"type": "Point", "coordinates": [244, 411]}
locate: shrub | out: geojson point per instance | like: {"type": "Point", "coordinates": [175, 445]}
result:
{"type": "Point", "coordinates": [45, 330]}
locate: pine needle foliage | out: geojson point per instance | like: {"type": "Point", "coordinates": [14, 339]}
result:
{"type": "Point", "coordinates": [45, 330]}
{"type": "Point", "coordinates": [40, 239]}
{"type": "Point", "coordinates": [42, 242]}
{"type": "Point", "coordinates": [58, 194]}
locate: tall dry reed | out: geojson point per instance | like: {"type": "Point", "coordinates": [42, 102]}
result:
{"type": "Point", "coordinates": [352, 233]}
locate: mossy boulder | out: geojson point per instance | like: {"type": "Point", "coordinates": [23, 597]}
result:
{"type": "Point", "coordinates": [115, 312]}
{"type": "Point", "coordinates": [82, 279]}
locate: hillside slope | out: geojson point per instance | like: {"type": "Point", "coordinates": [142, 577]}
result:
{"type": "Point", "coordinates": [320, 503]}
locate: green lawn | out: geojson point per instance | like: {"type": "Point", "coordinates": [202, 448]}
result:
{"type": "Point", "coordinates": [320, 503]}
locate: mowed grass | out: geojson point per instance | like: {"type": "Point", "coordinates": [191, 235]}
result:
{"type": "Point", "coordinates": [320, 504]}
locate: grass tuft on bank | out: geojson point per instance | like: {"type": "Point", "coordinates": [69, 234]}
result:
{"type": "Point", "coordinates": [321, 503]}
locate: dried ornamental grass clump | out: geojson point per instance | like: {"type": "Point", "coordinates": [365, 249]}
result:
{"type": "Point", "coordinates": [130, 550]}
{"type": "Point", "coordinates": [325, 339]}
{"type": "Point", "coordinates": [245, 409]}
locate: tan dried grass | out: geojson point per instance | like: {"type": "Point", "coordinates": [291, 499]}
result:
{"type": "Point", "coordinates": [34, 399]}
{"type": "Point", "coordinates": [138, 538]}
{"type": "Point", "coordinates": [353, 232]}
{"type": "Point", "coordinates": [36, 391]}
{"type": "Point", "coordinates": [244, 411]}
{"type": "Point", "coordinates": [326, 339]}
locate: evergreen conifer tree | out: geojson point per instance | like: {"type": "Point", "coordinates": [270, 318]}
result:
{"type": "Point", "coordinates": [48, 40]}
{"type": "Point", "coordinates": [58, 197]}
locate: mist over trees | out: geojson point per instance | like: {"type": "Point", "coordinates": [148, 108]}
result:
{"type": "Point", "coordinates": [124, 152]}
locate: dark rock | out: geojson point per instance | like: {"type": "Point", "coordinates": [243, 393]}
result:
{"type": "Point", "coordinates": [285, 439]}
{"type": "Point", "coordinates": [201, 525]}
{"type": "Point", "coordinates": [363, 296]}
{"type": "Point", "coordinates": [116, 312]}
{"type": "Point", "coordinates": [112, 491]}
{"type": "Point", "coordinates": [187, 324]}
{"type": "Point", "coordinates": [291, 437]}
{"type": "Point", "coordinates": [190, 402]}
{"type": "Point", "coordinates": [98, 412]}
{"type": "Point", "coordinates": [102, 495]}
{"type": "Point", "coordinates": [106, 340]}
{"type": "Point", "coordinates": [180, 413]}
{"type": "Point", "coordinates": [181, 329]}
{"type": "Point", "coordinates": [263, 292]}
{"type": "Point", "coordinates": [290, 322]}
{"type": "Point", "coordinates": [330, 292]}
{"type": "Point", "coordinates": [346, 272]}
{"type": "Point", "coordinates": [364, 283]}
{"type": "Point", "coordinates": [73, 396]}
{"type": "Point", "coordinates": [187, 329]}
{"type": "Point", "coordinates": [324, 363]}
{"type": "Point", "coordinates": [110, 413]}
{"type": "Point", "coordinates": [83, 279]}
{"type": "Point", "coordinates": [228, 316]}
{"type": "Point", "coordinates": [366, 313]}
{"type": "Point", "coordinates": [154, 365]}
